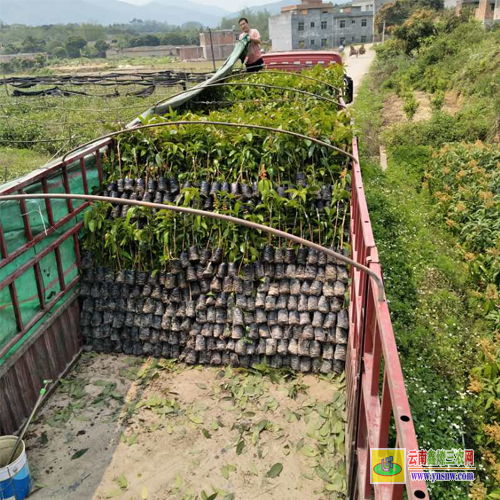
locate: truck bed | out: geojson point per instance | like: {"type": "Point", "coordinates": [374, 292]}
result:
{"type": "Point", "coordinates": [162, 430]}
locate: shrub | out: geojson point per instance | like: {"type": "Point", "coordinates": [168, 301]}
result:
{"type": "Point", "coordinates": [442, 128]}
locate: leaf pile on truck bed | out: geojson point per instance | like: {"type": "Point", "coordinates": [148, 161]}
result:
{"type": "Point", "coordinates": [176, 285]}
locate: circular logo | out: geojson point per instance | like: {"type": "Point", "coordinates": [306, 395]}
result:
{"type": "Point", "coordinates": [396, 469]}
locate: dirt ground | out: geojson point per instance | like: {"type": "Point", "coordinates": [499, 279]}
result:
{"type": "Point", "coordinates": [123, 428]}
{"type": "Point", "coordinates": [358, 67]}
{"type": "Point", "coordinates": [424, 110]}
{"type": "Point", "coordinates": [453, 102]}
{"type": "Point", "coordinates": [393, 107]}
{"type": "Point", "coordinates": [393, 111]}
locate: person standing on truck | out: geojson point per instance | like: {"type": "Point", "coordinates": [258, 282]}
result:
{"type": "Point", "coordinates": [253, 60]}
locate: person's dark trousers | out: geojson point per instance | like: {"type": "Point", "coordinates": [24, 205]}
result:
{"type": "Point", "coordinates": [255, 66]}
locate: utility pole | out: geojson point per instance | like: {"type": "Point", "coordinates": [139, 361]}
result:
{"type": "Point", "coordinates": [212, 47]}
{"type": "Point", "coordinates": [383, 32]}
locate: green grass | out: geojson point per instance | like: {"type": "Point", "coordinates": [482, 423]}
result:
{"type": "Point", "coordinates": [15, 163]}
{"type": "Point", "coordinates": [428, 290]}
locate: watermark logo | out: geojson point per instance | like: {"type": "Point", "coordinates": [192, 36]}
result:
{"type": "Point", "coordinates": [388, 465]}
{"type": "Point", "coordinates": [458, 459]}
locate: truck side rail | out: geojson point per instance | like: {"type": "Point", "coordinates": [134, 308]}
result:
{"type": "Point", "coordinates": [373, 363]}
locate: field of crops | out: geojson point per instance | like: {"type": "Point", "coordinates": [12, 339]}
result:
{"type": "Point", "coordinates": [36, 128]}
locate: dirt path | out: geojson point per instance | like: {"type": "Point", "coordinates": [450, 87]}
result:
{"type": "Point", "coordinates": [122, 428]}
{"type": "Point", "coordinates": [357, 67]}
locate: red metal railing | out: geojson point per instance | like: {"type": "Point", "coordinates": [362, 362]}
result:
{"type": "Point", "coordinates": [6, 257]}
{"type": "Point", "coordinates": [372, 345]}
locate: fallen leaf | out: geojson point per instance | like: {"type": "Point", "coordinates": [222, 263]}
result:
{"type": "Point", "coordinates": [322, 474]}
{"type": "Point", "coordinates": [122, 482]}
{"type": "Point", "coordinates": [275, 470]}
{"type": "Point", "coordinates": [240, 446]}
{"type": "Point", "coordinates": [206, 433]}
{"type": "Point", "coordinates": [196, 419]}
{"type": "Point", "coordinates": [308, 451]}
{"type": "Point", "coordinates": [44, 439]}
{"type": "Point", "coordinates": [79, 454]}
{"type": "Point", "coordinates": [82, 418]}
{"type": "Point", "coordinates": [114, 493]}
{"type": "Point", "coordinates": [101, 383]}
{"type": "Point", "coordinates": [178, 482]}
{"type": "Point", "coordinates": [144, 493]}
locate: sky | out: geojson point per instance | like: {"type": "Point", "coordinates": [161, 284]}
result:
{"type": "Point", "coordinates": [232, 5]}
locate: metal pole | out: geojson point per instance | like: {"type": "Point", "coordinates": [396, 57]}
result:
{"type": "Point", "coordinates": [212, 47]}
{"type": "Point", "coordinates": [204, 123]}
{"type": "Point", "coordinates": [212, 215]}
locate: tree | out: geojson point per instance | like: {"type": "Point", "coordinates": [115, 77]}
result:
{"type": "Point", "coordinates": [192, 26]}
{"type": "Point", "coordinates": [150, 40]}
{"type": "Point", "coordinates": [416, 29]}
{"type": "Point", "coordinates": [10, 49]}
{"type": "Point", "coordinates": [392, 14]}
{"type": "Point", "coordinates": [31, 44]}
{"type": "Point", "coordinates": [396, 13]}
{"type": "Point", "coordinates": [74, 44]}
{"type": "Point", "coordinates": [101, 46]}
{"type": "Point", "coordinates": [59, 52]}
{"type": "Point", "coordinates": [258, 20]}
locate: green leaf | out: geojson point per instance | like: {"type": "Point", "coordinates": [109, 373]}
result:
{"type": "Point", "coordinates": [206, 433]}
{"type": "Point", "coordinates": [101, 383]}
{"type": "Point", "coordinates": [122, 482]}
{"type": "Point", "coordinates": [178, 482]}
{"type": "Point", "coordinates": [204, 496]}
{"type": "Point", "coordinates": [114, 493]}
{"type": "Point", "coordinates": [240, 446]}
{"type": "Point", "coordinates": [196, 419]}
{"type": "Point", "coordinates": [79, 453]}
{"type": "Point", "coordinates": [82, 418]}
{"type": "Point", "coordinates": [275, 470]}
{"type": "Point", "coordinates": [44, 439]}
{"type": "Point", "coordinates": [308, 451]}
{"type": "Point", "coordinates": [132, 439]}
{"type": "Point", "coordinates": [322, 474]}
{"type": "Point", "coordinates": [144, 493]}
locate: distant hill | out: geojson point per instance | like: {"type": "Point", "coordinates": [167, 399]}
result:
{"type": "Point", "coordinates": [39, 12]}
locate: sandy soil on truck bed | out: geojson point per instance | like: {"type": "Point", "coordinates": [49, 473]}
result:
{"type": "Point", "coordinates": [120, 427]}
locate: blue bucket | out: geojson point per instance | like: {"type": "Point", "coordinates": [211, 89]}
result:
{"type": "Point", "coordinates": [15, 479]}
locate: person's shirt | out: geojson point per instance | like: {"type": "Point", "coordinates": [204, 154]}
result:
{"type": "Point", "coordinates": [253, 53]}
